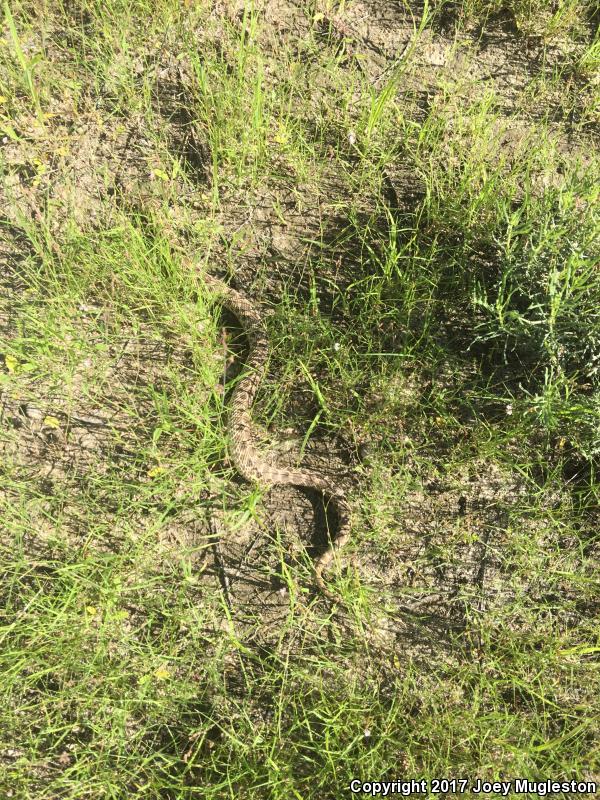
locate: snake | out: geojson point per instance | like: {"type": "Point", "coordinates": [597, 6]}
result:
{"type": "Point", "coordinates": [243, 436]}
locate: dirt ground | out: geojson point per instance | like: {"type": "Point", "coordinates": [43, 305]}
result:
{"type": "Point", "coordinates": [446, 546]}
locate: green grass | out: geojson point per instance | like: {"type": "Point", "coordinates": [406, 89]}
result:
{"type": "Point", "coordinates": [430, 272]}
{"type": "Point", "coordinates": [564, 18]}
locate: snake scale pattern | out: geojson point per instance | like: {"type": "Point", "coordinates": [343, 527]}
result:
{"type": "Point", "coordinates": [244, 451]}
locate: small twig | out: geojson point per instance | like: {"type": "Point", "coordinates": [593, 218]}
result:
{"type": "Point", "coordinates": [243, 559]}
{"type": "Point", "coordinates": [223, 578]}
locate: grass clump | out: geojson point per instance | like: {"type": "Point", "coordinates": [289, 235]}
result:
{"type": "Point", "coordinates": [553, 20]}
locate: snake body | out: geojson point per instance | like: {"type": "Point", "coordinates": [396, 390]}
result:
{"type": "Point", "coordinates": [245, 454]}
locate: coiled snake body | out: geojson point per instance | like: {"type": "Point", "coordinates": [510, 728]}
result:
{"type": "Point", "coordinates": [244, 452]}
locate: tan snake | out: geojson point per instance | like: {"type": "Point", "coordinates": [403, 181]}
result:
{"type": "Point", "coordinates": [244, 451]}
